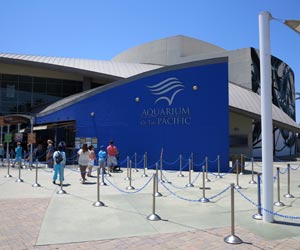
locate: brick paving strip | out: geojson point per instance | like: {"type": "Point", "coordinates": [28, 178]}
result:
{"type": "Point", "coordinates": [21, 220]}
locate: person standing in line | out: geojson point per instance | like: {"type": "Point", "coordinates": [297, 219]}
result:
{"type": "Point", "coordinates": [102, 158]}
{"type": "Point", "coordinates": [92, 158]}
{"type": "Point", "coordinates": [83, 159]}
{"type": "Point", "coordinates": [18, 151]}
{"type": "Point", "coordinates": [59, 159]}
{"type": "Point", "coordinates": [112, 152]}
{"type": "Point", "coordinates": [49, 153]}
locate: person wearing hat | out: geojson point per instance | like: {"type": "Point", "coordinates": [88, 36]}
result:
{"type": "Point", "coordinates": [102, 158]}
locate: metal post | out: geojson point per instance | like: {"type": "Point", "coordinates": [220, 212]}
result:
{"type": "Point", "coordinates": [98, 203]}
{"type": "Point", "coordinates": [127, 169]}
{"type": "Point", "coordinates": [135, 162]}
{"type": "Point", "coordinates": [144, 174]}
{"type": "Point", "coordinates": [242, 164]}
{"type": "Point", "coordinates": [130, 187]}
{"type": "Point", "coordinates": [289, 195]}
{"type": "Point", "coordinates": [36, 184]}
{"type": "Point", "coordinates": [102, 175]}
{"type": "Point", "coordinates": [206, 169]}
{"type": "Point", "coordinates": [232, 239]}
{"type": "Point", "coordinates": [161, 172]}
{"type": "Point", "coordinates": [266, 115]}
{"type": "Point", "coordinates": [259, 215]}
{"type": "Point", "coordinates": [180, 167]}
{"type": "Point", "coordinates": [203, 199]}
{"type": "Point", "coordinates": [19, 178]}
{"type": "Point", "coordinates": [252, 172]}
{"type": "Point", "coordinates": [237, 186]}
{"type": "Point", "coordinates": [219, 176]}
{"type": "Point", "coordinates": [278, 203]}
{"type": "Point", "coordinates": [157, 193]}
{"type": "Point", "coordinates": [190, 184]}
{"type": "Point", "coordinates": [192, 163]}
{"type": "Point", "coordinates": [154, 216]}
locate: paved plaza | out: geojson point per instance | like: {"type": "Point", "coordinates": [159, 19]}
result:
{"type": "Point", "coordinates": [40, 218]}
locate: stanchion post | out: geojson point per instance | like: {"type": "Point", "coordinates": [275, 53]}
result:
{"type": "Point", "coordinates": [219, 176]}
{"type": "Point", "coordinates": [145, 161]}
{"type": "Point", "coordinates": [278, 203]}
{"type": "Point", "coordinates": [237, 186]}
{"type": "Point", "coordinates": [259, 215]}
{"type": "Point", "coordinates": [252, 172]}
{"type": "Point", "coordinates": [19, 178]}
{"type": "Point", "coordinates": [161, 171]}
{"type": "Point", "coordinates": [180, 166]}
{"type": "Point", "coordinates": [154, 216]}
{"type": "Point", "coordinates": [206, 169]}
{"type": "Point", "coordinates": [36, 184]}
{"type": "Point", "coordinates": [192, 161]}
{"type": "Point", "coordinates": [157, 193]}
{"type": "Point", "coordinates": [98, 203]}
{"type": "Point", "coordinates": [232, 239]}
{"type": "Point", "coordinates": [130, 187]}
{"type": "Point", "coordinates": [242, 162]}
{"type": "Point", "coordinates": [102, 174]}
{"type": "Point", "coordinates": [203, 199]}
{"type": "Point", "coordinates": [127, 168]}
{"type": "Point", "coordinates": [190, 184]}
{"type": "Point", "coordinates": [289, 195]}
{"type": "Point", "coordinates": [135, 162]}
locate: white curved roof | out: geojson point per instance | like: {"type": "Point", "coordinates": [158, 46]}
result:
{"type": "Point", "coordinates": [116, 69]}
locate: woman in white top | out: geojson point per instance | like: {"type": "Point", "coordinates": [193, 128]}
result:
{"type": "Point", "coordinates": [83, 159]}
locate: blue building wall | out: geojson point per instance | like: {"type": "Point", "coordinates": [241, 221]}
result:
{"type": "Point", "coordinates": [180, 109]}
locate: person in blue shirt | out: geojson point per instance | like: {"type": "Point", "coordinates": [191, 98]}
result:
{"type": "Point", "coordinates": [102, 158]}
{"type": "Point", "coordinates": [59, 167]}
{"type": "Point", "coordinates": [18, 151]}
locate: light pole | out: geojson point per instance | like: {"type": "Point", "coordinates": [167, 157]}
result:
{"type": "Point", "coordinates": [266, 110]}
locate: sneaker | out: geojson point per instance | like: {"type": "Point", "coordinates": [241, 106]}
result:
{"type": "Point", "coordinates": [53, 182]}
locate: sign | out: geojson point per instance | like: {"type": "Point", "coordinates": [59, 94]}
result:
{"type": "Point", "coordinates": [31, 137]}
{"type": "Point", "coordinates": [18, 137]}
{"type": "Point", "coordinates": [8, 138]}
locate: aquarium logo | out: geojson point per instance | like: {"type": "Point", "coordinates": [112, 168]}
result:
{"type": "Point", "coordinates": [166, 90]}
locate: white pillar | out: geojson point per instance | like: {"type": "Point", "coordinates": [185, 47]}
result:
{"type": "Point", "coordinates": [266, 115]}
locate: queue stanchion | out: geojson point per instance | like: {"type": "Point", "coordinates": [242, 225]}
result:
{"type": "Point", "coordinates": [232, 238]}
{"type": "Point", "coordinates": [61, 190]}
{"type": "Point", "coordinates": [157, 193]}
{"type": "Point", "coordinates": [130, 187]}
{"type": "Point", "coordinates": [135, 162]}
{"type": "Point", "coordinates": [278, 203]}
{"type": "Point", "coordinates": [145, 165]}
{"type": "Point", "coordinates": [203, 199]}
{"type": "Point", "coordinates": [180, 167]}
{"type": "Point", "coordinates": [36, 184]}
{"type": "Point", "coordinates": [219, 176]}
{"type": "Point", "coordinates": [206, 170]}
{"type": "Point", "coordinates": [19, 178]}
{"type": "Point", "coordinates": [102, 175]}
{"type": "Point", "coordinates": [8, 175]}
{"type": "Point", "coordinates": [127, 178]}
{"type": "Point", "coordinates": [192, 161]}
{"type": "Point", "coordinates": [289, 195]}
{"type": "Point", "coordinates": [237, 186]}
{"type": "Point", "coordinates": [154, 216]}
{"type": "Point", "coordinates": [259, 215]}
{"type": "Point", "coordinates": [242, 164]}
{"type": "Point", "coordinates": [98, 203]}
{"type": "Point", "coordinates": [190, 184]}
{"type": "Point", "coordinates": [161, 171]}
{"type": "Point", "coordinates": [252, 172]}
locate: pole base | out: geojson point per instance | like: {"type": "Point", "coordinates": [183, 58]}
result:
{"type": "Point", "coordinates": [252, 182]}
{"type": "Point", "coordinates": [61, 191]}
{"type": "Point", "coordinates": [189, 185]}
{"type": "Point", "coordinates": [153, 217]}
{"type": "Point", "coordinates": [98, 204]}
{"type": "Point", "coordinates": [19, 180]}
{"type": "Point", "coordinates": [289, 196]}
{"type": "Point", "coordinates": [279, 204]}
{"type": "Point", "coordinates": [180, 175]}
{"type": "Point", "coordinates": [36, 185]}
{"type": "Point", "coordinates": [204, 200]}
{"type": "Point", "coordinates": [257, 216]}
{"type": "Point", "coordinates": [8, 176]}
{"type": "Point", "coordinates": [144, 175]}
{"type": "Point", "coordinates": [130, 188]}
{"type": "Point", "coordinates": [233, 239]}
{"type": "Point", "coordinates": [158, 194]}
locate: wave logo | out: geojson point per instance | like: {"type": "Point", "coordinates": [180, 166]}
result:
{"type": "Point", "coordinates": [167, 89]}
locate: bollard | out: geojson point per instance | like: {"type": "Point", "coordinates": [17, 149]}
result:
{"type": "Point", "coordinates": [144, 174]}
{"type": "Point", "coordinates": [135, 163]}
{"type": "Point", "coordinates": [219, 176]}
{"type": "Point", "coordinates": [190, 184]}
{"type": "Point", "coordinates": [161, 172]}
{"type": "Point", "coordinates": [36, 184]}
{"type": "Point", "coordinates": [154, 216]}
{"type": "Point", "coordinates": [242, 162]}
{"type": "Point", "coordinates": [289, 195]}
{"type": "Point", "coordinates": [259, 215]}
{"type": "Point", "coordinates": [130, 187]}
{"type": "Point", "coordinates": [237, 186]}
{"type": "Point", "coordinates": [232, 239]}
{"type": "Point", "coordinates": [98, 203]}
{"type": "Point", "coordinates": [278, 203]}
{"type": "Point", "coordinates": [102, 175]}
{"type": "Point", "coordinates": [180, 167]}
{"type": "Point", "coordinates": [203, 199]}
{"type": "Point", "coordinates": [157, 193]}
{"type": "Point", "coordinates": [61, 191]}
{"type": "Point", "coordinates": [8, 175]}
{"type": "Point", "coordinates": [127, 168]}
{"type": "Point", "coordinates": [252, 173]}
{"type": "Point", "coordinates": [206, 170]}
{"type": "Point", "coordinates": [19, 178]}
{"type": "Point", "coordinates": [192, 161]}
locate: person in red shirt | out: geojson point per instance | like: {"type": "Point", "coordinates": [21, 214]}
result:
{"type": "Point", "coordinates": [112, 152]}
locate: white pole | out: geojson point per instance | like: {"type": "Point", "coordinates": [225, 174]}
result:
{"type": "Point", "coordinates": [266, 115]}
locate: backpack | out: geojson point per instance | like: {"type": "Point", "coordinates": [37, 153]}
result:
{"type": "Point", "coordinates": [58, 158]}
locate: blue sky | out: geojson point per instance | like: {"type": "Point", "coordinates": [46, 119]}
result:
{"type": "Point", "coordinates": [100, 29]}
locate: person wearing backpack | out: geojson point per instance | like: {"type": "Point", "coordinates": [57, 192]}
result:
{"type": "Point", "coordinates": [59, 159]}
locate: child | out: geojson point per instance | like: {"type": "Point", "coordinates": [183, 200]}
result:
{"type": "Point", "coordinates": [102, 158]}
{"type": "Point", "coordinates": [92, 158]}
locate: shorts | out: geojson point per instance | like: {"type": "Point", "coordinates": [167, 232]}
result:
{"type": "Point", "coordinates": [112, 161]}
